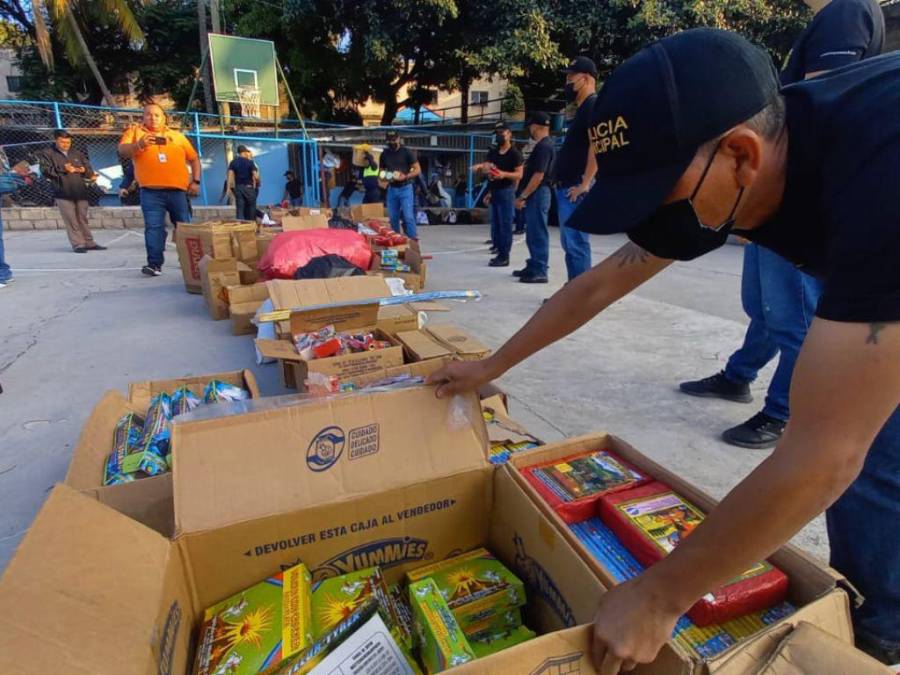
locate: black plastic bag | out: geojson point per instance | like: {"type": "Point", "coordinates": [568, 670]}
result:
{"type": "Point", "coordinates": [328, 266]}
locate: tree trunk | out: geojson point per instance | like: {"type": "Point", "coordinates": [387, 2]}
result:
{"type": "Point", "coordinates": [88, 58]}
{"type": "Point", "coordinates": [464, 84]}
{"type": "Point", "coordinates": [390, 109]}
{"type": "Point", "coordinates": [206, 74]}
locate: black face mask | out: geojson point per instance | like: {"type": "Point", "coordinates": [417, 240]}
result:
{"type": "Point", "coordinates": [675, 232]}
{"type": "Point", "coordinates": [569, 92]}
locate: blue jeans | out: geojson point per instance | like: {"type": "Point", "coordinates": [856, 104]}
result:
{"type": "Point", "coordinates": [155, 204]}
{"type": "Point", "coordinates": [503, 204]}
{"type": "Point", "coordinates": [401, 201]}
{"type": "Point", "coordinates": [296, 201]}
{"type": "Point", "coordinates": [537, 238]}
{"type": "Point", "coordinates": [577, 245]}
{"type": "Point", "coordinates": [5, 272]}
{"type": "Point", "coordinates": [862, 532]}
{"type": "Point", "coordinates": [780, 301]}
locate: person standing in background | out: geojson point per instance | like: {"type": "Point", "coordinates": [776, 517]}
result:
{"type": "Point", "coordinates": [160, 159]}
{"type": "Point", "coordinates": [129, 190]}
{"type": "Point", "coordinates": [293, 189]}
{"type": "Point", "coordinates": [370, 180]}
{"type": "Point", "coordinates": [534, 200]}
{"type": "Point", "coordinates": [69, 170]}
{"type": "Point", "coordinates": [243, 181]}
{"type": "Point", "coordinates": [779, 299]}
{"type": "Point", "coordinates": [403, 166]}
{"type": "Point", "coordinates": [576, 164]}
{"type": "Point", "coordinates": [504, 171]}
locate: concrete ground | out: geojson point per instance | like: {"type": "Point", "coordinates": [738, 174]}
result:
{"type": "Point", "coordinates": [74, 326]}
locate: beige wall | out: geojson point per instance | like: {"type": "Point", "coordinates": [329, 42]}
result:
{"type": "Point", "coordinates": [496, 87]}
{"type": "Point", "coordinates": [7, 67]}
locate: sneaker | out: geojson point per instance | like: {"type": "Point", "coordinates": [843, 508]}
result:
{"type": "Point", "coordinates": [533, 279]}
{"type": "Point", "coordinates": [759, 432]}
{"type": "Point", "coordinates": [151, 270]}
{"type": "Point", "coordinates": [718, 386]}
{"type": "Point", "coordinates": [499, 262]}
{"type": "Point", "coordinates": [96, 247]}
{"type": "Point", "coordinates": [80, 249]}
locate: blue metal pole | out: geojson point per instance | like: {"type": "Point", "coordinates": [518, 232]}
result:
{"type": "Point", "coordinates": [57, 115]}
{"type": "Point", "coordinates": [199, 142]}
{"type": "Point", "coordinates": [469, 176]}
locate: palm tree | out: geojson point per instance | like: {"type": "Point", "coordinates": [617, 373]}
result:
{"type": "Point", "coordinates": [62, 14]}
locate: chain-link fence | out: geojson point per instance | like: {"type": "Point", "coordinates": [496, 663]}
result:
{"type": "Point", "coordinates": [26, 131]}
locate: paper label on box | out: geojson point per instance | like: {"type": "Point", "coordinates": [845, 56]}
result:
{"type": "Point", "coordinates": [368, 651]}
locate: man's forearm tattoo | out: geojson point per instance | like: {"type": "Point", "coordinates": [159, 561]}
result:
{"type": "Point", "coordinates": [874, 329]}
{"type": "Point", "coordinates": [630, 254]}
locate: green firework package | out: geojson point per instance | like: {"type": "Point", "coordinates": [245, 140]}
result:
{"type": "Point", "coordinates": [217, 391]}
{"type": "Point", "coordinates": [442, 643]}
{"type": "Point", "coordinates": [184, 400]}
{"type": "Point", "coordinates": [254, 631]}
{"type": "Point", "coordinates": [127, 440]}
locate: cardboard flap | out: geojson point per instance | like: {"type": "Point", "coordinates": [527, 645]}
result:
{"type": "Point", "coordinates": [566, 651]}
{"type": "Point", "coordinates": [96, 440]}
{"type": "Point", "coordinates": [350, 317]}
{"type": "Point", "coordinates": [148, 501]}
{"type": "Point", "coordinates": [141, 393]}
{"type": "Point", "coordinates": [319, 451]}
{"type": "Point", "coordinates": [304, 222]}
{"type": "Point", "coordinates": [253, 293]}
{"type": "Point", "coordinates": [423, 346]}
{"type": "Point", "coordinates": [294, 294]}
{"type": "Point", "coordinates": [811, 650]}
{"type": "Point", "coordinates": [458, 340]}
{"type": "Point", "coordinates": [82, 593]}
{"type": "Point", "coordinates": [278, 349]}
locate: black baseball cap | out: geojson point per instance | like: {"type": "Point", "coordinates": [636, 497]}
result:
{"type": "Point", "coordinates": [242, 148]}
{"type": "Point", "coordinates": [61, 133]}
{"type": "Point", "coordinates": [391, 133]}
{"type": "Point", "coordinates": [501, 126]}
{"type": "Point", "coordinates": [539, 117]}
{"type": "Point", "coordinates": [582, 64]}
{"type": "Point", "coordinates": [657, 109]}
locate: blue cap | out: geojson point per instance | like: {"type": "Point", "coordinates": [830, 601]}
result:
{"type": "Point", "coordinates": [657, 109]}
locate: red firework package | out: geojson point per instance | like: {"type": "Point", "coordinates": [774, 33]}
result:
{"type": "Point", "coordinates": [572, 485]}
{"type": "Point", "coordinates": [651, 520]}
{"type": "Point", "coordinates": [290, 250]}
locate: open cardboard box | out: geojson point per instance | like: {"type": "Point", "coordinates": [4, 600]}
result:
{"type": "Point", "coordinates": [396, 490]}
{"type": "Point", "coordinates": [216, 239]}
{"type": "Point", "coordinates": [243, 301]}
{"type": "Point", "coordinates": [361, 212]}
{"type": "Point", "coordinates": [815, 589]}
{"type": "Point", "coordinates": [414, 280]}
{"type": "Point", "coordinates": [436, 341]}
{"type": "Point", "coordinates": [148, 500]}
{"type": "Point", "coordinates": [216, 275]}
{"type": "Point", "coordinates": [313, 220]}
{"type": "Point", "coordinates": [355, 318]}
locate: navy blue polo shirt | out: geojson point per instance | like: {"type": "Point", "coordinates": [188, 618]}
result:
{"type": "Point", "coordinates": [839, 217]}
{"type": "Point", "coordinates": [243, 170]}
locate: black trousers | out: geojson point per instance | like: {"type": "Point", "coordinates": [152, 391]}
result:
{"type": "Point", "coordinates": [245, 202]}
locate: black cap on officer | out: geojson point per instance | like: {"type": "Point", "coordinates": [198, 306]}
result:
{"type": "Point", "coordinates": [581, 64]}
{"type": "Point", "coordinates": [500, 126]}
{"type": "Point", "coordinates": [540, 118]}
{"type": "Point", "coordinates": [657, 109]}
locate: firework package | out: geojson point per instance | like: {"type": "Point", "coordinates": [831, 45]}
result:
{"type": "Point", "coordinates": [253, 631]}
{"type": "Point", "coordinates": [142, 445]}
{"type": "Point", "coordinates": [651, 520]}
{"type": "Point", "coordinates": [573, 485]}
{"type": "Point", "coordinates": [327, 342]}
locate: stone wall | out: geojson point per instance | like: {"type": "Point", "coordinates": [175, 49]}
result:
{"type": "Point", "coordinates": [101, 217]}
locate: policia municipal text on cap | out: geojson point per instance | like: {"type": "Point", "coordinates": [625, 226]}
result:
{"type": "Point", "coordinates": [694, 140]}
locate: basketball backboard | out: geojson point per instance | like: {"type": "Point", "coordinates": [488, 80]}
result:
{"type": "Point", "coordinates": [243, 63]}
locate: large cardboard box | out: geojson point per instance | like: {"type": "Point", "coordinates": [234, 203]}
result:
{"type": "Point", "coordinates": [362, 212]}
{"type": "Point", "coordinates": [216, 275]}
{"type": "Point", "coordinates": [152, 499]}
{"type": "Point", "coordinates": [120, 599]}
{"type": "Point", "coordinates": [355, 318]}
{"type": "Point", "coordinates": [243, 301]}
{"type": "Point", "coordinates": [814, 588]}
{"type": "Point", "coordinates": [217, 240]}
{"type": "Point", "coordinates": [311, 219]}
{"type": "Point", "coordinates": [436, 341]}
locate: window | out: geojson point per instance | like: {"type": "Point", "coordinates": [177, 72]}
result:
{"type": "Point", "coordinates": [14, 84]}
{"type": "Point", "coordinates": [479, 98]}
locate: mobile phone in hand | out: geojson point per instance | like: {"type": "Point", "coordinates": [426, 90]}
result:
{"type": "Point", "coordinates": [159, 140]}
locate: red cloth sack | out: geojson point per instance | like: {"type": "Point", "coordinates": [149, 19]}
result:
{"type": "Point", "coordinates": [290, 250]}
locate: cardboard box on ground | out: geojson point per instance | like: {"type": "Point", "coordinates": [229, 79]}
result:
{"type": "Point", "coordinates": [362, 212]}
{"type": "Point", "coordinates": [243, 301]}
{"type": "Point", "coordinates": [305, 219]}
{"type": "Point", "coordinates": [216, 275]}
{"type": "Point", "coordinates": [414, 279]}
{"type": "Point", "coordinates": [218, 240]}
{"type": "Point", "coordinates": [442, 341]}
{"type": "Point", "coordinates": [148, 500]}
{"type": "Point", "coordinates": [815, 589]}
{"type": "Point", "coordinates": [397, 490]}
